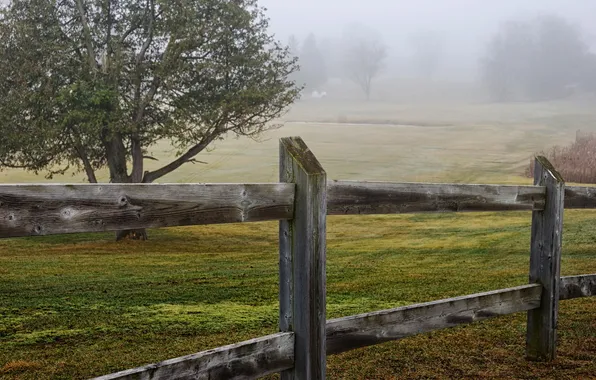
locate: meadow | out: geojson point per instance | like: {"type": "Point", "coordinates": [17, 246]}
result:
{"type": "Point", "coordinates": [77, 306]}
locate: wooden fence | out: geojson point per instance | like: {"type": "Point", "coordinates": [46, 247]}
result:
{"type": "Point", "coordinates": [301, 202]}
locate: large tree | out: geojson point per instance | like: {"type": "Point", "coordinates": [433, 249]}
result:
{"type": "Point", "coordinates": [88, 84]}
{"type": "Point", "coordinates": [364, 54]}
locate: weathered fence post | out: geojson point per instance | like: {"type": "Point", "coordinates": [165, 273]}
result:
{"type": "Point", "coordinates": [545, 262]}
{"type": "Point", "coordinates": [302, 280]}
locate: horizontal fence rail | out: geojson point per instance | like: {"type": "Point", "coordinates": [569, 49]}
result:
{"type": "Point", "coordinates": [27, 210]}
{"type": "Point", "coordinates": [354, 197]}
{"type": "Point", "coordinates": [246, 360]}
{"type": "Point", "coordinates": [46, 209]}
{"type": "Point", "coordinates": [348, 333]}
{"type": "Point", "coordinates": [361, 197]}
{"type": "Point", "coordinates": [580, 197]}
{"type": "Point", "coordinates": [577, 286]}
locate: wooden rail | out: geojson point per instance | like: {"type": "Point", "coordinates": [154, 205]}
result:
{"type": "Point", "coordinates": [360, 197]}
{"type": "Point", "coordinates": [348, 333]}
{"type": "Point", "coordinates": [301, 202]}
{"type": "Point", "coordinates": [246, 360]}
{"type": "Point", "coordinates": [27, 210]}
{"type": "Point", "coordinates": [580, 197]}
{"type": "Point", "coordinates": [354, 197]}
{"type": "Point", "coordinates": [577, 286]}
{"type": "Point", "coordinates": [31, 210]}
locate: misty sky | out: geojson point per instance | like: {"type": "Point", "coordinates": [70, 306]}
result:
{"type": "Point", "coordinates": [465, 24]}
{"type": "Point", "coordinates": [394, 16]}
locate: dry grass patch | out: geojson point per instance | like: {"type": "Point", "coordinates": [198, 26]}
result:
{"type": "Point", "coordinates": [17, 366]}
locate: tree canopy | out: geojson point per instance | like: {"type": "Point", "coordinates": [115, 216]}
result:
{"type": "Point", "coordinates": [89, 84]}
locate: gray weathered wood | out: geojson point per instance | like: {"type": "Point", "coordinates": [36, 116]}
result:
{"type": "Point", "coordinates": [344, 334]}
{"type": "Point", "coordinates": [577, 286]}
{"type": "Point", "coordinates": [580, 197]}
{"type": "Point", "coordinates": [245, 360]}
{"type": "Point", "coordinates": [354, 197]}
{"type": "Point", "coordinates": [55, 209]}
{"type": "Point", "coordinates": [545, 262]}
{"type": "Point", "coordinates": [302, 260]}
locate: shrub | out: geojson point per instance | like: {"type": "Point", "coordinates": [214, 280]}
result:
{"type": "Point", "coordinates": [575, 162]}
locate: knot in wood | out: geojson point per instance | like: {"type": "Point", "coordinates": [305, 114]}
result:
{"type": "Point", "coordinates": [123, 201]}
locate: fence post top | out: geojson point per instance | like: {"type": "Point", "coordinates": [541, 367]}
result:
{"type": "Point", "coordinates": [303, 156]}
{"type": "Point", "coordinates": [547, 166]}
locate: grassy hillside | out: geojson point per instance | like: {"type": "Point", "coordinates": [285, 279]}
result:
{"type": "Point", "coordinates": [446, 142]}
{"type": "Point", "coordinates": [78, 306]}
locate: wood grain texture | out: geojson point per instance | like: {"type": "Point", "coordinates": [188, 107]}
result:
{"type": "Point", "coordinates": [344, 334]}
{"type": "Point", "coordinates": [302, 292]}
{"type": "Point", "coordinates": [27, 210]}
{"type": "Point", "coordinates": [582, 197]}
{"type": "Point", "coordinates": [577, 286]}
{"type": "Point", "coordinates": [246, 360]}
{"type": "Point", "coordinates": [545, 263]}
{"type": "Point", "coordinates": [354, 197]}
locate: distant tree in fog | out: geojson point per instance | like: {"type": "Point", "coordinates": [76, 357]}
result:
{"type": "Point", "coordinates": [363, 56]}
{"type": "Point", "coordinates": [509, 60]}
{"type": "Point", "coordinates": [294, 50]}
{"type": "Point", "coordinates": [313, 70]}
{"type": "Point", "coordinates": [536, 59]}
{"type": "Point", "coordinates": [560, 52]}
{"type": "Point", "coordinates": [294, 45]}
{"type": "Point", "coordinates": [427, 52]}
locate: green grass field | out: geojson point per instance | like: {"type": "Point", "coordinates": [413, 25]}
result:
{"type": "Point", "coordinates": [77, 306]}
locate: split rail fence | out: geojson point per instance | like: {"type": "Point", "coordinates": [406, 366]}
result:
{"type": "Point", "coordinates": [301, 202]}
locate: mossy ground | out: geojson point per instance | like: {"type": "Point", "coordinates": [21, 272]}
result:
{"type": "Point", "coordinates": [76, 306]}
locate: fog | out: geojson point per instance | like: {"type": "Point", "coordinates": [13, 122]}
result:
{"type": "Point", "coordinates": [395, 17]}
{"type": "Point", "coordinates": [465, 25]}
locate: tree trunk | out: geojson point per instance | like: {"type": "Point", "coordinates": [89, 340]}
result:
{"type": "Point", "coordinates": [139, 234]}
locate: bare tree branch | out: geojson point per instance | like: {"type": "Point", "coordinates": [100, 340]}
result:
{"type": "Point", "coordinates": [141, 105]}
{"type": "Point", "coordinates": [150, 177]}
{"type": "Point", "coordinates": [195, 161]}
{"type": "Point", "coordinates": [88, 38]}
{"type": "Point", "coordinates": [149, 38]}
